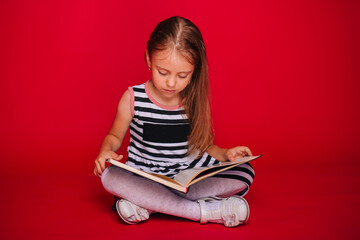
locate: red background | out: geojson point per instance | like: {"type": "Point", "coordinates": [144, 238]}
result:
{"type": "Point", "coordinates": [284, 77]}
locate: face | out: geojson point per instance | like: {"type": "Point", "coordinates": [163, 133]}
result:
{"type": "Point", "coordinates": [171, 72]}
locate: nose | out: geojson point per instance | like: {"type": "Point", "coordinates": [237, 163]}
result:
{"type": "Point", "coordinates": [171, 82]}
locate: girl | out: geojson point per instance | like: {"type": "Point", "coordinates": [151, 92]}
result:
{"type": "Point", "coordinates": [171, 130]}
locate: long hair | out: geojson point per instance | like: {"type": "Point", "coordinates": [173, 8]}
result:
{"type": "Point", "coordinates": [181, 34]}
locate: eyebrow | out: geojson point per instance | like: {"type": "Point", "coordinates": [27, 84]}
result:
{"type": "Point", "coordinates": [187, 72]}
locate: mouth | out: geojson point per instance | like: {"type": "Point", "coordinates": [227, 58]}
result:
{"type": "Point", "coordinates": [169, 91]}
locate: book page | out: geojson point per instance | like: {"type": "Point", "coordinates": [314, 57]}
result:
{"type": "Point", "coordinates": [186, 177]}
{"type": "Point", "coordinates": [155, 177]}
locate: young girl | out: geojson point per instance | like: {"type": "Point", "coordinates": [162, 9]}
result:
{"type": "Point", "coordinates": [171, 130]}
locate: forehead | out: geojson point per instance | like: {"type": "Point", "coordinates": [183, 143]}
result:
{"type": "Point", "coordinates": [172, 60]}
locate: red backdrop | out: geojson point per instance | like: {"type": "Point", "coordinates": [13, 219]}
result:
{"type": "Point", "coordinates": [285, 82]}
{"type": "Point", "coordinates": [284, 77]}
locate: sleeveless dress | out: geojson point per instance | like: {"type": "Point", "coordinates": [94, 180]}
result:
{"type": "Point", "coordinates": [158, 140]}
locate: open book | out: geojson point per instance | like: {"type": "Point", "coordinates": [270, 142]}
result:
{"type": "Point", "coordinates": [187, 177]}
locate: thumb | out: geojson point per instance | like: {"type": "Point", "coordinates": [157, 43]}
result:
{"type": "Point", "coordinates": [116, 156]}
{"type": "Point", "coordinates": [231, 156]}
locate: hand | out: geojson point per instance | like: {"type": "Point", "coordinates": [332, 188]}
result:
{"type": "Point", "coordinates": [100, 161]}
{"type": "Point", "coordinates": [237, 152]}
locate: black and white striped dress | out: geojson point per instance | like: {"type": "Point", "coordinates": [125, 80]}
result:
{"type": "Point", "coordinates": [158, 140]}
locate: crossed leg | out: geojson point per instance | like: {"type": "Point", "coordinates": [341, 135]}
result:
{"type": "Point", "coordinates": [156, 197]}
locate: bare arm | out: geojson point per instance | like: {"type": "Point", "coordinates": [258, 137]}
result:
{"type": "Point", "coordinates": [223, 154]}
{"type": "Point", "coordinates": [113, 140]}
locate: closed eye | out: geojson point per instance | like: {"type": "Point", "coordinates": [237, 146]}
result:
{"type": "Point", "coordinates": [162, 73]}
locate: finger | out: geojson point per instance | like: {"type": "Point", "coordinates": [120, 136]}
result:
{"type": "Point", "coordinates": [98, 168]}
{"type": "Point", "coordinates": [95, 172]}
{"type": "Point", "coordinates": [243, 152]}
{"type": "Point", "coordinates": [119, 157]}
{"type": "Point", "coordinates": [101, 163]}
{"type": "Point", "coordinates": [114, 155]}
{"type": "Point", "coordinates": [240, 152]}
{"type": "Point", "coordinates": [230, 155]}
{"type": "Point", "coordinates": [249, 153]}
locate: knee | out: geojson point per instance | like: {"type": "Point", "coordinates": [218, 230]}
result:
{"type": "Point", "coordinates": [110, 177]}
{"type": "Point", "coordinates": [105, 178]}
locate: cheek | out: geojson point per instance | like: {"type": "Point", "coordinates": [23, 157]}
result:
{"type": "Point", "coordinates": [155, 77]}
{"type": "Point", "coordinates": [156, 82]}
{"type": "Point", "coordinates": [189, 79]}
{"type": "Point", "coordinates": [185, 83]}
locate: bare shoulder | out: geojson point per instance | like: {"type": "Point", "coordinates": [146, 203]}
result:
{"type": "Point", "coordinates": [124, 107]}
{"type": "Point", "coordinates": [124, 103]}
{"type": "Point", "coordinates": [123, 116]}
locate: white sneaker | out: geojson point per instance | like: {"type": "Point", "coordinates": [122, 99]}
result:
{"type": "Point", "coordinates": [131, 213]}
{"type": "Point", "coordinates": [231, 211]}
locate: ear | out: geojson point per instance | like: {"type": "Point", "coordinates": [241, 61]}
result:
{"type": "Point", "coordinates": [148, 59]}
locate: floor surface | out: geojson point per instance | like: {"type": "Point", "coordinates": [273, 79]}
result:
{"type": "Point", "coordinates": [290, 206]}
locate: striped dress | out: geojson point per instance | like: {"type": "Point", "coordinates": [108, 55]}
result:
{"type": "Point", "coordinates": [158, 140]}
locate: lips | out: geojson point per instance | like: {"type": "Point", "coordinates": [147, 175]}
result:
{"type": "Point", "coordinates": [169, 91]}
